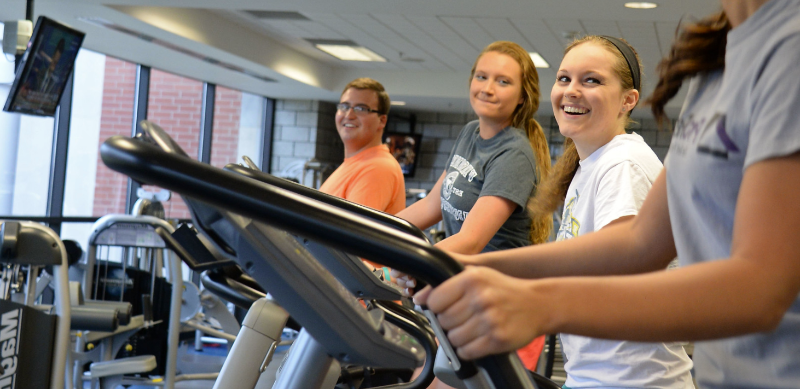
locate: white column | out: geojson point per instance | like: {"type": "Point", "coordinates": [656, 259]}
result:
{"type": "Point", "coordinates": [9, 140]}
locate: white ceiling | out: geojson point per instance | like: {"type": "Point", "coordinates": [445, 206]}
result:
{"type": "Point", "coordinates": [430, 45]}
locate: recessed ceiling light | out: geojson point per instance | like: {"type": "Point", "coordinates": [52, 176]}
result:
{"type": "Point", "coordinates": [640, 5]}
{"type": "Point", "coordinates": [398, 103]}
{"type": "Point", "coordinates": [351, 53]}
{"type": "Point", "coordinates": [538, 61]}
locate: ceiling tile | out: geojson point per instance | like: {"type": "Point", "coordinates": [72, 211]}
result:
{"type": "Point", "coordinates": [501, 29]}
{"type": "Point", "coordinates": [563, 28]}
{"type": "Point", "coordinates": [283, 27]}
{"type": "Point", "coordinates": [542, 39]}
{"type": "Point", "coordinates": [601, 27]}
{"type": "Point", "coordinates": [421, 39]}
{"type": "Point", "coordinates": [642, 35]}
{"type": "Point", "coordinates": [315, 29]}
{"type": "Point", "coordinates": [349, 31]}
{"type": "Point", "coordinates": [443, 34]}
{"type": "Point", "coordinates": [471, 31]}
{"type": "Point", "coordinates": [368, 24]}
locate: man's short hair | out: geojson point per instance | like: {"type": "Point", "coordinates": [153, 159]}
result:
{"type": "Point", "coordinates": [370, 84]}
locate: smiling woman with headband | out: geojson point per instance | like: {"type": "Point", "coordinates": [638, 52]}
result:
{"type": "Point", "coordinates": [603, 178]}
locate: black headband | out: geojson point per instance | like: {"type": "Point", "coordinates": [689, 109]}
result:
{"type": "Point", "coordinates": [630, 58]}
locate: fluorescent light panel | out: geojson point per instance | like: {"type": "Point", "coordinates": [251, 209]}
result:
{"type": "Point", "coordinates": [351, 53]}
{"type": "Point", "coordinates": [640, 5]}
{"type": "Point", "coordinates": [398, 103]}
{"type": "Point", "coordinates": [538, 61]}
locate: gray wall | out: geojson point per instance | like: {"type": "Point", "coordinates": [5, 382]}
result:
{"type": "Point", "coordinates": [304, 129]}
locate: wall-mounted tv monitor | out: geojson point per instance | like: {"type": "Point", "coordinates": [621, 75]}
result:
{"type": "Point", "coordinates": [46, 66]}
{"type": "Point", "coordinates": [405, 148]}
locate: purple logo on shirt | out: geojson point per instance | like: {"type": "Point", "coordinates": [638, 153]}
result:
{"type": "Point", "coordinates": [688, 128]}
{"type": "Point", "coordinates": [723, 136]}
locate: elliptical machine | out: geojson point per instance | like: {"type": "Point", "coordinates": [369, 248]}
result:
{"type": "Point", "coordinates": [229, 225]}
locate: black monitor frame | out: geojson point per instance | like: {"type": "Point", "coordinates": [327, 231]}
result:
{"type": "Point", "coordinates": [46, 32]}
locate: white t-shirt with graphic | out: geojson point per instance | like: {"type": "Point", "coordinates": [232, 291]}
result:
{"type": "Point", "coordinates": [613, 183]}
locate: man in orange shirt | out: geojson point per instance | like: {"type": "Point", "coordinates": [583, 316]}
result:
{"type": "Point", "coordinates": [369, 175]}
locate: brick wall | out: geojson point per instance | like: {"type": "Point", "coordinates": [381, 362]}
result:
{"type": "Point", "coordinates": [117, 114]}
{"type": "Point", "coordinates": [225, 138]}
{"type": "Point", "coordinates": [175, 104]}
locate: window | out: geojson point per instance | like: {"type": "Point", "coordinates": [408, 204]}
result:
{"type": "Point", "coordinates": [238, 127]}
{"type": "Point", "coordinates": [26, 144]}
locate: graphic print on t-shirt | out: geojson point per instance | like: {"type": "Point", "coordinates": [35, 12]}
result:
{"type": "Point", "coordinates": [570, 227]}
{"type": "Point", "coordinates": [447, 188]}
{"type": "Point", "coordinates": [465, 169]}
{"type": "Point", "coordinates": [463, 166]}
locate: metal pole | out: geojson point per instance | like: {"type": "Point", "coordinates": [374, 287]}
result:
{"type": "Point", "coordinates": [141, 92]}
{"type": "Point", "coordinates": [268, 124]}
{"type": "Point", "coordinates": [206, 123]}
{"type": "Point", "coordinates": [58, 164]}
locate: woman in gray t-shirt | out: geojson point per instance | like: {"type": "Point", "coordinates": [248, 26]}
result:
{"type": "Point", "coordinates": [494, 166]}
{"type": "Point", "coordinates": [726, 205]}
{"type": "Point", "coordinates": [495, 163]}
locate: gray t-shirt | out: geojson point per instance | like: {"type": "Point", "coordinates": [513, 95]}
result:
{"type": "Point", "coordinates": [731, 120]}
{"type": "Point", "coordinates": [502, 166]}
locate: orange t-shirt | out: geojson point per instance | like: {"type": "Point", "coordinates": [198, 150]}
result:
{"type": "Point", "coordinates": [371, 178]}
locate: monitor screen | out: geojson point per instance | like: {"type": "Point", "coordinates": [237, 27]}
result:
{"type": "Point", "coordinates": [405, 148]}
{"type": "Point", "coordinates": [46, 66]}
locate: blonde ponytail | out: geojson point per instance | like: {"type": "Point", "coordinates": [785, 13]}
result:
{"type": "Point", "coordinates": [551, 191]}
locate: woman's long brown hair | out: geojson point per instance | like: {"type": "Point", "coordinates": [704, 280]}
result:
{"type": "Point", "coordinates": [698, 47]}
{"type": "Point", "coordinates": [522, 118]}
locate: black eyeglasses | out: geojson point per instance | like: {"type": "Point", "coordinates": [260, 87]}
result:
{"type": "Point", "coordinates": [358, 109]}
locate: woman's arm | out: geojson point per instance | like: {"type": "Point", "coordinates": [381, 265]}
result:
{"type": "Point", "coordinates": [427, 211]}
{"type": "Point", "coordinates": [483, 221]}
{"type": "Point", "coordinates": [488, 312]}
{"type": "Point", "coordinates": [628, 246]}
